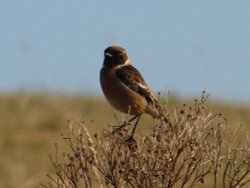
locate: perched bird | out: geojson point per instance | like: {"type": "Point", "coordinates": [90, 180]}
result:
{"type": "Point", "coordinates": [124, 86]}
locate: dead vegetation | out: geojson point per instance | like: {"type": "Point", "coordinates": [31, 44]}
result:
{"type": "Point", "coordinates": [202, 149]}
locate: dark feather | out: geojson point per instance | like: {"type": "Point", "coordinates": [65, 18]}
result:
{"type": "Point", "coordinates": [132, 78]}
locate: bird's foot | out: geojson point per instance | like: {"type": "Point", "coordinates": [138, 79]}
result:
{"type": "Point", "coordinates": [131, 143]}
{"type": "Point", "coordinates": [119, 128]}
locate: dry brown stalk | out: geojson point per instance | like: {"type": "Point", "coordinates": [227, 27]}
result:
{"type": "Point", "coordinates": [201, 147]}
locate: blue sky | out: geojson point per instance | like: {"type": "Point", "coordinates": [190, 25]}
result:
{"type": "Point", "coordinates": [182, 46]}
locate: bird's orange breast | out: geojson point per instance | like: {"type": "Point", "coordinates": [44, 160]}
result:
{"type": "Point", "coordinates": [119, 95]}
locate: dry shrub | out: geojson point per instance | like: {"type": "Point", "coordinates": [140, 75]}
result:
{"type": "Point", "coordinates": [198, 149]}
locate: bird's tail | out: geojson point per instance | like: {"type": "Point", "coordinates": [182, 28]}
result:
{"type": "Point", "coordinates": [158, 112]}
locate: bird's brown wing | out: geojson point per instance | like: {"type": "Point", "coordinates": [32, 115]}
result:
{"type": "Point", "coordinates": [132, 78]}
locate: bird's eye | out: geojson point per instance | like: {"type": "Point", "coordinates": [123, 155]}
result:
{"type": "Point", "coordinates": [120, 55]}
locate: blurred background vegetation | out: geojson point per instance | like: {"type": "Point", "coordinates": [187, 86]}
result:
{"type": "Point", "coordinates": [32, 123]}
{"type": "Point", "coordinates": [58, 46]}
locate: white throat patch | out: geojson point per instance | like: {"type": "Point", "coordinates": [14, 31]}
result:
{"type": "Point", "coordinates": [127, 62]}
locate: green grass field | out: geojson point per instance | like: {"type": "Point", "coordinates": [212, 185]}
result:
{"type": "Point", "coordinates": [31, 124]}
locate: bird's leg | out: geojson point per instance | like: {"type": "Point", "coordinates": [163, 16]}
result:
{"type": "Point", "coordinates": [132, 119]}
{"type": "Point", "coordinates": [124, 124]}
{"type": "Point", "coordinates": [132, 133]}
{"type": "Point", "coordinates": [131, 141]}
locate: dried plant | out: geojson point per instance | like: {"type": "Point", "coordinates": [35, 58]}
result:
{"type": "Point", "coordinates": [200, 148]}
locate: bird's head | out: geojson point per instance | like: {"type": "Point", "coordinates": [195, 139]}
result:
{"type": "Point", "coordinates": [115, 56]}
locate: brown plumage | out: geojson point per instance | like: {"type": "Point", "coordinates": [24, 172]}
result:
{"type": "Point", "coordinates": [124, 86]}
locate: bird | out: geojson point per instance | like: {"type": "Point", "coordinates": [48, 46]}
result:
{"type": "Point", "coordinates": [125, 88]}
